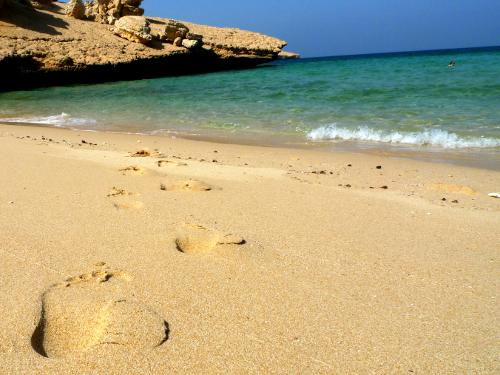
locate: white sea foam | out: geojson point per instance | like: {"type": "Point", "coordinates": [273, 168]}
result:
{"type": "Point", "coordinates": [428, 137]}
{"type": "Point", "coordinates": [57, 120]}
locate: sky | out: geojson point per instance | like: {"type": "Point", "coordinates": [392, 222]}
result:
{"type": "Point", "coordinates": [344, 27]}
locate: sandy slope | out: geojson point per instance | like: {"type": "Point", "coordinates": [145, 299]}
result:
{"type": "Point", "coordinates": [331, 280]}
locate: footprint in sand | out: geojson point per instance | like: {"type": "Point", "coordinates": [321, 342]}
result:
{"type": "Point", "coordinates": [140, 153]}
{"type": "Point", "coordinates": [118, 192]}
{"type": "Point", "coordinates": [121, 199]}
{"type": "Point", "coordinates": [93, 311]}
{"type": "Point", "coordinates": [164, 162]}
{"type": "Point", "coordinates": [126, 204]}
{"type": "Point", "coordinates": [188, 185]}
{"type": "Point", "coordinates": [144, 153]}
{"type": "Point", "coordinates": [132, 170]}
{"type": "Point", "coordinates": [196, 239]}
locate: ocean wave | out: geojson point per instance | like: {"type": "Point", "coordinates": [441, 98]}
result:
{"type": "Point", "coordinates": [428, 137]}
{"type": "Point", "coordinates": [57, 120]}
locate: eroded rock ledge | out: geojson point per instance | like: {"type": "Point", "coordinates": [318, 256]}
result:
{"type": "Point", "coordinates": [108, 40]}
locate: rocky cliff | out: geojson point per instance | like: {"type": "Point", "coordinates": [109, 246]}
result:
{"type": "Point", "coordinates": [54, 43]}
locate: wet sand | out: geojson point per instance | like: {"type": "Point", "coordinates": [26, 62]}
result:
{"type": "Point", "coordinates": [151, 255]}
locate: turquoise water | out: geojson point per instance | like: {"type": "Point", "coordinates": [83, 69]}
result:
{"type": "Point", "coordinates": [414, 100]}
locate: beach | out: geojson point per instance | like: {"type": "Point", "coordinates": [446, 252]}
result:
{"type": "Point", "coordinates": [140, 254]}
{"type": "Point", "coordinates": [179, 198]}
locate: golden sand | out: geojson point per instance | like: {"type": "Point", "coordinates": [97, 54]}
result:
{"type": "Point", "coordinates": [250, 260]}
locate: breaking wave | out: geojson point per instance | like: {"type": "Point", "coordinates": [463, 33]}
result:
{"type": "Point", "coordinates": [429, 137]}
{"type": "Point", "coordinates": [57, 120]}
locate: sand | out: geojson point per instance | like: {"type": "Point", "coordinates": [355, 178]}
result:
{"type": "Point", "coordinates": [199, 257]}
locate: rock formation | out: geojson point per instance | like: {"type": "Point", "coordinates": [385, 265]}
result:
{"type": "Point", "coordinates": [76, 9]}
{"type": "Point", "coordinates": [109, 11]}
{"type": "Point", "coordinates": [52, 46]}
{"type": "Point", "coordinates": [227, 42]}
{"type": "Point", "coordinates": [176, 33]}
{"type": "Point", "coordinates": [173, 30]}
{"type": "Point", "coordinates": [134, 28]}
{"type": "Point", "coordinates": [190, 44]}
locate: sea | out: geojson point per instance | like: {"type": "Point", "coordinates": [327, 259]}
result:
{"type": "Point", "coordinates": [412, 101]}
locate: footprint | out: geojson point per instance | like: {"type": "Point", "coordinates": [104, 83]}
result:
{"type": "Point", "coordinates": [140, 154]}
{"type": "Point", "coordinates": [196, 239]}
{"type": "Point", "coordinates": [117, 192]}
{"type": "Point", "coordinates": [92, 311]}
{"type": "Point", "coordinates": [122, 201]}
{"type": "Point", "coordinates": [144, 153]}
{"type": "Point", "coordinates": [187, 185]}
{"type": "Point", "coordinates": [161, 163]}
{"type": "Point", "coordinates": [133, 170]}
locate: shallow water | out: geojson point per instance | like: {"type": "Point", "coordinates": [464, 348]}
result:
{"type": "Point", "coordinates": [402, 100]}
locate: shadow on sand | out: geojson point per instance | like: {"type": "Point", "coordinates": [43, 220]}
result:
{"type": "Point", "coordinates": [31, 19]}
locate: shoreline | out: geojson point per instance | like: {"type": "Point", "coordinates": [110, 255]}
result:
{"type": "Point", "coordinates": [471, 157]}
{"type": "Point", "coordinates": [146, 255]}
{"type": "Point", "coordinates": [317, 156]}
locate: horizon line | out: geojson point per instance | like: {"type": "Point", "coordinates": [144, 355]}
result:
{"type": "Point", "coordinates": [419, 51]}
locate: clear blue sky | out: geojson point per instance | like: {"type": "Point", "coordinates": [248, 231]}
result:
{"type": "Point", "coordinates": [339, 27]}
